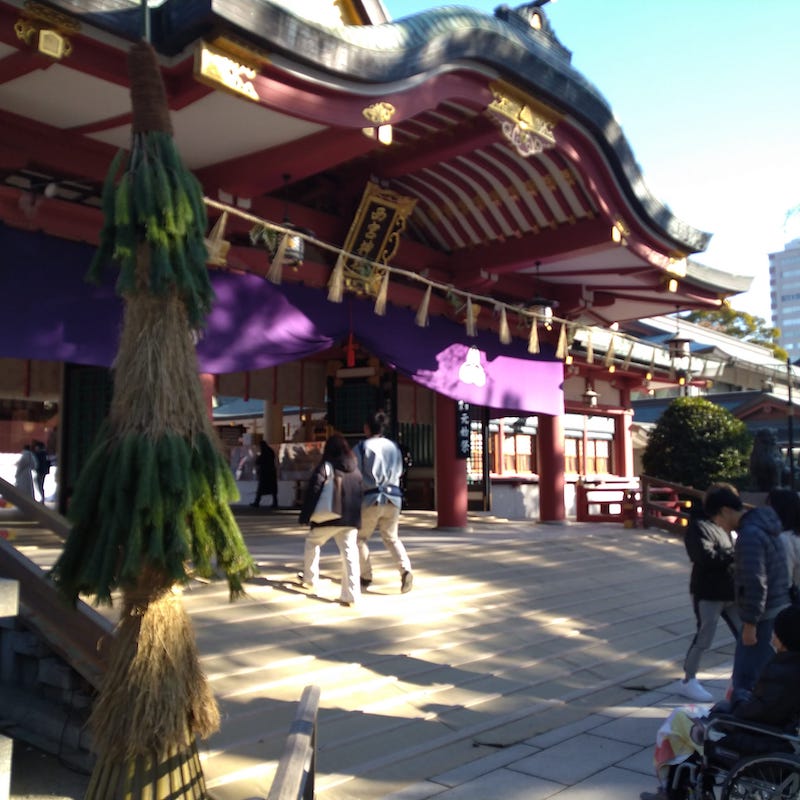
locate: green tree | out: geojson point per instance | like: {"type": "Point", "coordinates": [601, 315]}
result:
{"type": "Point", "coordinates": [740, 325]}
{"type": "Point", "coordinates": [696, 442]}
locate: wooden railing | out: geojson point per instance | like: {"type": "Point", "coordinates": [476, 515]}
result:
{"type": "Point", "coordinates": [607, 500]}
{"type": "Point", "coordinates": [667, 505]}
{"type": "Point", "coordinates": [294, 778]}
{"type": "Point", "coordinates": [30, 510]}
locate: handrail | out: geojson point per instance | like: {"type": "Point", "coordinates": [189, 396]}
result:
{"type": "Point", "coordinates": [665, 504]}
{"type": "Point", "coordinates": [35, 511]}
{"type": "Point", "coordinates": [294, 778]}
{"type": "Point", "coordinates": [79, 633]}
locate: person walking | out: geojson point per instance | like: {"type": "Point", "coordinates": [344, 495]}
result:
{"type": "Point", "coordinates": [709, 544]}
{"type": "Point", "coordinates": [42, 466]}
{"type": "Point", "coordinates": [23, 478]}
{"type": "Point", "coordinates": [786, 503]}
{"type": "Point", "coordinates": [267, 472]}
{"type": "Point", "coordinates": [381, 463]}
{"type": "Point", "coordinates": [344, 529]}
{"type": "Point", "coordinates": [762, 590]}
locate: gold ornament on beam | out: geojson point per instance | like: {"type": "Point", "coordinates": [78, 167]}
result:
{"type": "Point", "coordinates": [527, 124]}
{"type": "Point", "coordinates": [380, 115]}
{"type": "Point", "coordinates": [45, 29]}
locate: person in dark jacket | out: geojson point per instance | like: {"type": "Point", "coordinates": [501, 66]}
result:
{"type": "Point", "coordinates": [762, 590]}
{"type": "Point", "coordinates": [775, 699]}
{"type": "Point", "coordinates": [267, 470]}
{"type": "Point", "coordinates": [42, 466]}
{"type": "Point", "coordinates": [344, 529]}
{"type": "Point", "coordinates": [709, 544]}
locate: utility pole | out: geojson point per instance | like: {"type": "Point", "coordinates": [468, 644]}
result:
{"type": "Point", "coordinates": [790, 424]}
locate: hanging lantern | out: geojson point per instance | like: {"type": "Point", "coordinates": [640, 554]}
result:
{"type": "Point", "coordinates": [295, 248]}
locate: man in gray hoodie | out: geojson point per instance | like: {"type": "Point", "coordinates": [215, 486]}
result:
{"type": "Point", "coordinates": [762, 590]}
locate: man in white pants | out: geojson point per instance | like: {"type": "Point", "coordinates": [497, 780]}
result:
{"type": "Point", "coordinates": [381, 463]}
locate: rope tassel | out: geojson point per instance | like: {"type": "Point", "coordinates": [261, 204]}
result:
{"type": "Point", "coordinates": [470, 321]}
{"type": "Point", "coordinates": [504, 330]}
{"type": "Point", "coordinates": [533, 339]}
{"type": "Point", "coordinates": [276, 265]}
{"type": "Point", "coordinates": [383, 294]}
{"type": "Point", "coordinates": [561, 346]}
{"type": "Point", "coordinates": [609, 359]}
{"type": "Point", "coordinates": [336, 282]}
{"type": "Point", "coordinates": [422, 314]}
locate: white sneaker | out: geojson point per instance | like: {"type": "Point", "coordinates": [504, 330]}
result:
{"type": "Point", "coordinates": [694, 691]}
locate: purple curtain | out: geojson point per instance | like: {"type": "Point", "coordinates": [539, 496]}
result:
{"type": "Point", "coordinates": [51, 313]}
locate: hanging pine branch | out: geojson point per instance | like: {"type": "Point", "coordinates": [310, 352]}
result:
{"type": "Point", "coordinates": [151, 506]}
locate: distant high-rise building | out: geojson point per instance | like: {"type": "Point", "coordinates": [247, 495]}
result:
{"type": "Point", "coordinates": [784, 283]}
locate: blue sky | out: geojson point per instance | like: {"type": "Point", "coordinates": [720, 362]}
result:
{"type": "Point", "coordinates": [707, 94]}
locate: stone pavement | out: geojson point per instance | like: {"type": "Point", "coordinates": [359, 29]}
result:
{"type": "Point", "coordinates": [529, 661]}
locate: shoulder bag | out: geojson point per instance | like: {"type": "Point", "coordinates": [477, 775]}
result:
{"type": "Point", "coordinates": [329, 502]}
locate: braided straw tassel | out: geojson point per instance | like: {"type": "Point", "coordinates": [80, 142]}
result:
{"type": "Point", "coordinates": [504, 331]}
{"type": "Point", "coordinates": [276, 264]}
{"type": "Point", "coordinates": [422, 313]}
{"type": "Point", "coordinates": [383, 294]}
{"type": "Point", "coordinates": [561, 346]}
{"type": "Point", "coordinates": [336, 282]}
{"type": "Point", "coordinates": [470, 321]}
{"type": "Point", "coordinates": [533, 339]}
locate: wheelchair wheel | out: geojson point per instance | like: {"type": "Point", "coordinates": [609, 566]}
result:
{"type": "Point", "coordinates": [766, 777]}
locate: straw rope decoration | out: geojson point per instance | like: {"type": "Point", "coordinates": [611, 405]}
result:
{"type": "Point", "coordinates": [151, 506]}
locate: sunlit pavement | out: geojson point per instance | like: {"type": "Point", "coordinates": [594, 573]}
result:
{"type": "Point", "coordinates": [529, 661]}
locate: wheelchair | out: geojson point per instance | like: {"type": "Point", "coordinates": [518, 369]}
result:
{"type": "Point", "coordinates": [740, 761]}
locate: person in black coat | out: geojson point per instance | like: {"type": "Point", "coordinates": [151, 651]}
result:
{"type": "Point", "coordinates": [267, 469]}
{"type": "Point", "coordinates": [338, 464]}
{"type": "Point", "coordinates": [709, 545]}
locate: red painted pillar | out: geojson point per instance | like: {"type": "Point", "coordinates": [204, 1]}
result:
{"type": "Point", "coordinates": [451, 472]}
{"type": "Point", "coordinates": [550, 458]}
{"type": "Point", "coordinates": [623, 443]}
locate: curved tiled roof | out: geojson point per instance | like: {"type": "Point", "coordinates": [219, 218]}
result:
{"type": "Point", "coordinates": [573, 223]}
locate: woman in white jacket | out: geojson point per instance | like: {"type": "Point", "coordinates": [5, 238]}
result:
{"type": "Point", "coordinates": [24, 475]}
